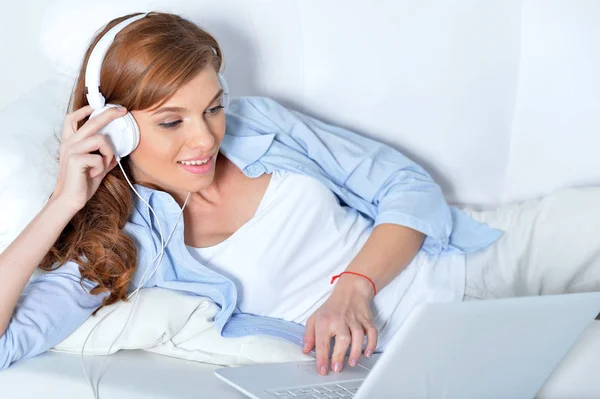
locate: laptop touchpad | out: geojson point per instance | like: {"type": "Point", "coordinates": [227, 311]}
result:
{"type": "Point", "coordinates": [369, 362]}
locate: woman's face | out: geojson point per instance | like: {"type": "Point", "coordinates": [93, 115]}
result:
{"type": "Point", "coordinates": [177, 139]}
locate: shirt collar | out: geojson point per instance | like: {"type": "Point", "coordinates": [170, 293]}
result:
{"type": "Point", "coordinates": [245, 150]}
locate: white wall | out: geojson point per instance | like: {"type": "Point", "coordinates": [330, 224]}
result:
{"type": "Point", "coordinates": [499, 100]}
{"type": "Point", "coordinates": [21, 63]}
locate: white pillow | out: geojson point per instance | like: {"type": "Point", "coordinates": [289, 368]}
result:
{"type": "Point", "coordinates": [31, 126]}
{"type": "Point", "coordinates": [174, 324]}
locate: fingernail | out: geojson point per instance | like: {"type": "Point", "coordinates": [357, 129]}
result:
{"type": "Point", "coordinates": [305, 347]}
{"type": "Point", "coordinates": [352, 362]}
{"type": "Point", "coordinates": [323, 370]}
{"type": "Point", "coordinates": [368, 353]}
{"type": "Point", "coordinates": [337, 367]}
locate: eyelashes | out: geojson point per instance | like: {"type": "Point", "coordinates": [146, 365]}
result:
{"type": "Point", "coordinates": [172, 125]}
{"type": "Point", "coordinates": [215, 110]}
{"type": "Point", "coordinates": [169, 125]}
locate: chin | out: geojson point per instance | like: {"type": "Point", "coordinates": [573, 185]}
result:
{"type": "Point", "coordinates": [200, 184]}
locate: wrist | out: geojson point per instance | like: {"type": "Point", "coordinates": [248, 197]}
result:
{"type": "Point", "coordinates": [60, 209]}
{"type": "Point", "coordinates": [356, 285]}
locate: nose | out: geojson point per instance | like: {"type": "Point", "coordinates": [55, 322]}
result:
{"type": "Point", "coordinates": [200, 137]}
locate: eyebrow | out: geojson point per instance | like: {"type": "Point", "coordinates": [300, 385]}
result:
{"type": "Point", "coordinates": [181, 109]}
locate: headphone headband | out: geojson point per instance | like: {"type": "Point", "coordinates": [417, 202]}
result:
{"type": "Point", "coordinates": [94, 65]}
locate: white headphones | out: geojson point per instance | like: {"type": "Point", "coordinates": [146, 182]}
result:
{"type": "Point", "coordinates": [122, 132]}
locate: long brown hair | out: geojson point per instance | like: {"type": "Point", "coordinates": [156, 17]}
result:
{"type": "Point", "coordinates": [147, 63]}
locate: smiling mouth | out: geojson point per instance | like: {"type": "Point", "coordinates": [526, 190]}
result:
{"type": "Point", "coordinates": [195, 162]}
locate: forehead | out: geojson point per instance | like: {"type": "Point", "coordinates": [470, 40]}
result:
{"type": "Point", "coordinates": [200, 91]}
{"type": "Point", "coordinates": [204, 84]}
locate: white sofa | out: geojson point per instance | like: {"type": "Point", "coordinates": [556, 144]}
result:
{"type": "Point", "coordinates": [499, 100]}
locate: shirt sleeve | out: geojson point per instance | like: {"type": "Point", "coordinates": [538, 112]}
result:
{"type": "Point", "coordinates": [400, 191]}
{"type": "Point", "coordinates": [50, 308]}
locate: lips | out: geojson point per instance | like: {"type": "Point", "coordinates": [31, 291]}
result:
{"type": "Point", "coordinates": [198, 166]}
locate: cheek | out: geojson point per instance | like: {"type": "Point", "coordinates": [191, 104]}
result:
{"type": "Point", "coordinates": [154, 150]}
{"type": "Point", "coordinates": [218, 127]}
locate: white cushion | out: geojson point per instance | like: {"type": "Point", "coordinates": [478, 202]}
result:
{"type": "Point", "coordinates": [29, 147]}
{"type": "Point", "coordinates": [551, 246]}
{"type": "Point", "coordinates": [173, 324]}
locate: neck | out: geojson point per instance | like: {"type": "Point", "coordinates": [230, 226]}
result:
{"type": "Point", "coordinates": [211, 196]}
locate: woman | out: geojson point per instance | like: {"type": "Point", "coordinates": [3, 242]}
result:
{"type": "Point", "coordinates": [279, 203]}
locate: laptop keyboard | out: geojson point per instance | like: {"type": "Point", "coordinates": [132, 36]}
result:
{"type": "Point", "coordinates": [325, 391]}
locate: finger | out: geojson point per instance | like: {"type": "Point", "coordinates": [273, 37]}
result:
{"type": "Point", "coordinates": [323, 342]}
{"type": "Point", "coordinates": [71, 121]}
{"type": "Point", "coordinates": [92, 126]}
{"type": "Point", "coordinates": [94, 143]}
{"type": "Point", "coordinates": [113, 162]}
{"type": "Point", "coordinates": [358, 337]}
{"type": "Point", "coordinates": [342, 341]}
{"type": "Point", "coordinates": [372, 336]}
{"type": "Point", "coordinates": [309, 335]}
{"type": "Point", "coordinates": [92, 162]}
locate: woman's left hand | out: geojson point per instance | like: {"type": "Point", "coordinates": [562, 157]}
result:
{"type": "Point", "coordinates": [347, 316]}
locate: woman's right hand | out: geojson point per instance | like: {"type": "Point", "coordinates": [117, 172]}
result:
{"type": "Point", "coordinates": [80, 172]}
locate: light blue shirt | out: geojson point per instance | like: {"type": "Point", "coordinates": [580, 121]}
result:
{"type": "Point", "coordinates": [262, 136]}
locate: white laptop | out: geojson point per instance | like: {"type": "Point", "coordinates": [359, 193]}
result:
{"type": "Point", "coordinates": [502, 348]}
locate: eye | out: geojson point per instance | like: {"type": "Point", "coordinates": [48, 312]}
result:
{"type": "Point", "coordinates": [215, 110]}
{"type": "Point", "coordinates": [169, 125]}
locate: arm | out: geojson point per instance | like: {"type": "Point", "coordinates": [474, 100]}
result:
{"type": "Point", "coordinates": [387, 251]}
{"type": "Point", "coordinates": [346, 315]}
{"type": "Point", "coordinates": [25, 253]}
{"type": "Point", "coordinates": [36, 316]}
{"type": "Point", "coordinates": [50, 308]}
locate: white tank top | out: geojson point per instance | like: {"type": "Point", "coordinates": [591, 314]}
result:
{"type": "Point", "coordinates": [283, 258]}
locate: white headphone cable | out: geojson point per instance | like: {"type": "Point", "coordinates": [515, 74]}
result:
{"type": "Point", "coordinates": [88, 378]}
{"type": "Point", "coordinates": [136, 292]}
{"type": "Point", "coordinates": [159, 256]}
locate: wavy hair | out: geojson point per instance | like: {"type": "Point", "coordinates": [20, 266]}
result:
{"type": "Point", "coordinates": [147, 63]}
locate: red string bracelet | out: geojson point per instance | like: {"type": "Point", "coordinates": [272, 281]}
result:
{"type": "Point", "coordinates": [356, 274]}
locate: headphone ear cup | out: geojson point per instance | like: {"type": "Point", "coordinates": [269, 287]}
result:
{"type": "Point", "coordinates": [123, 133]}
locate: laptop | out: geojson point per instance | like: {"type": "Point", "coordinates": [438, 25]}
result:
{"type": "Point", "coordinates": [501, 348]}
